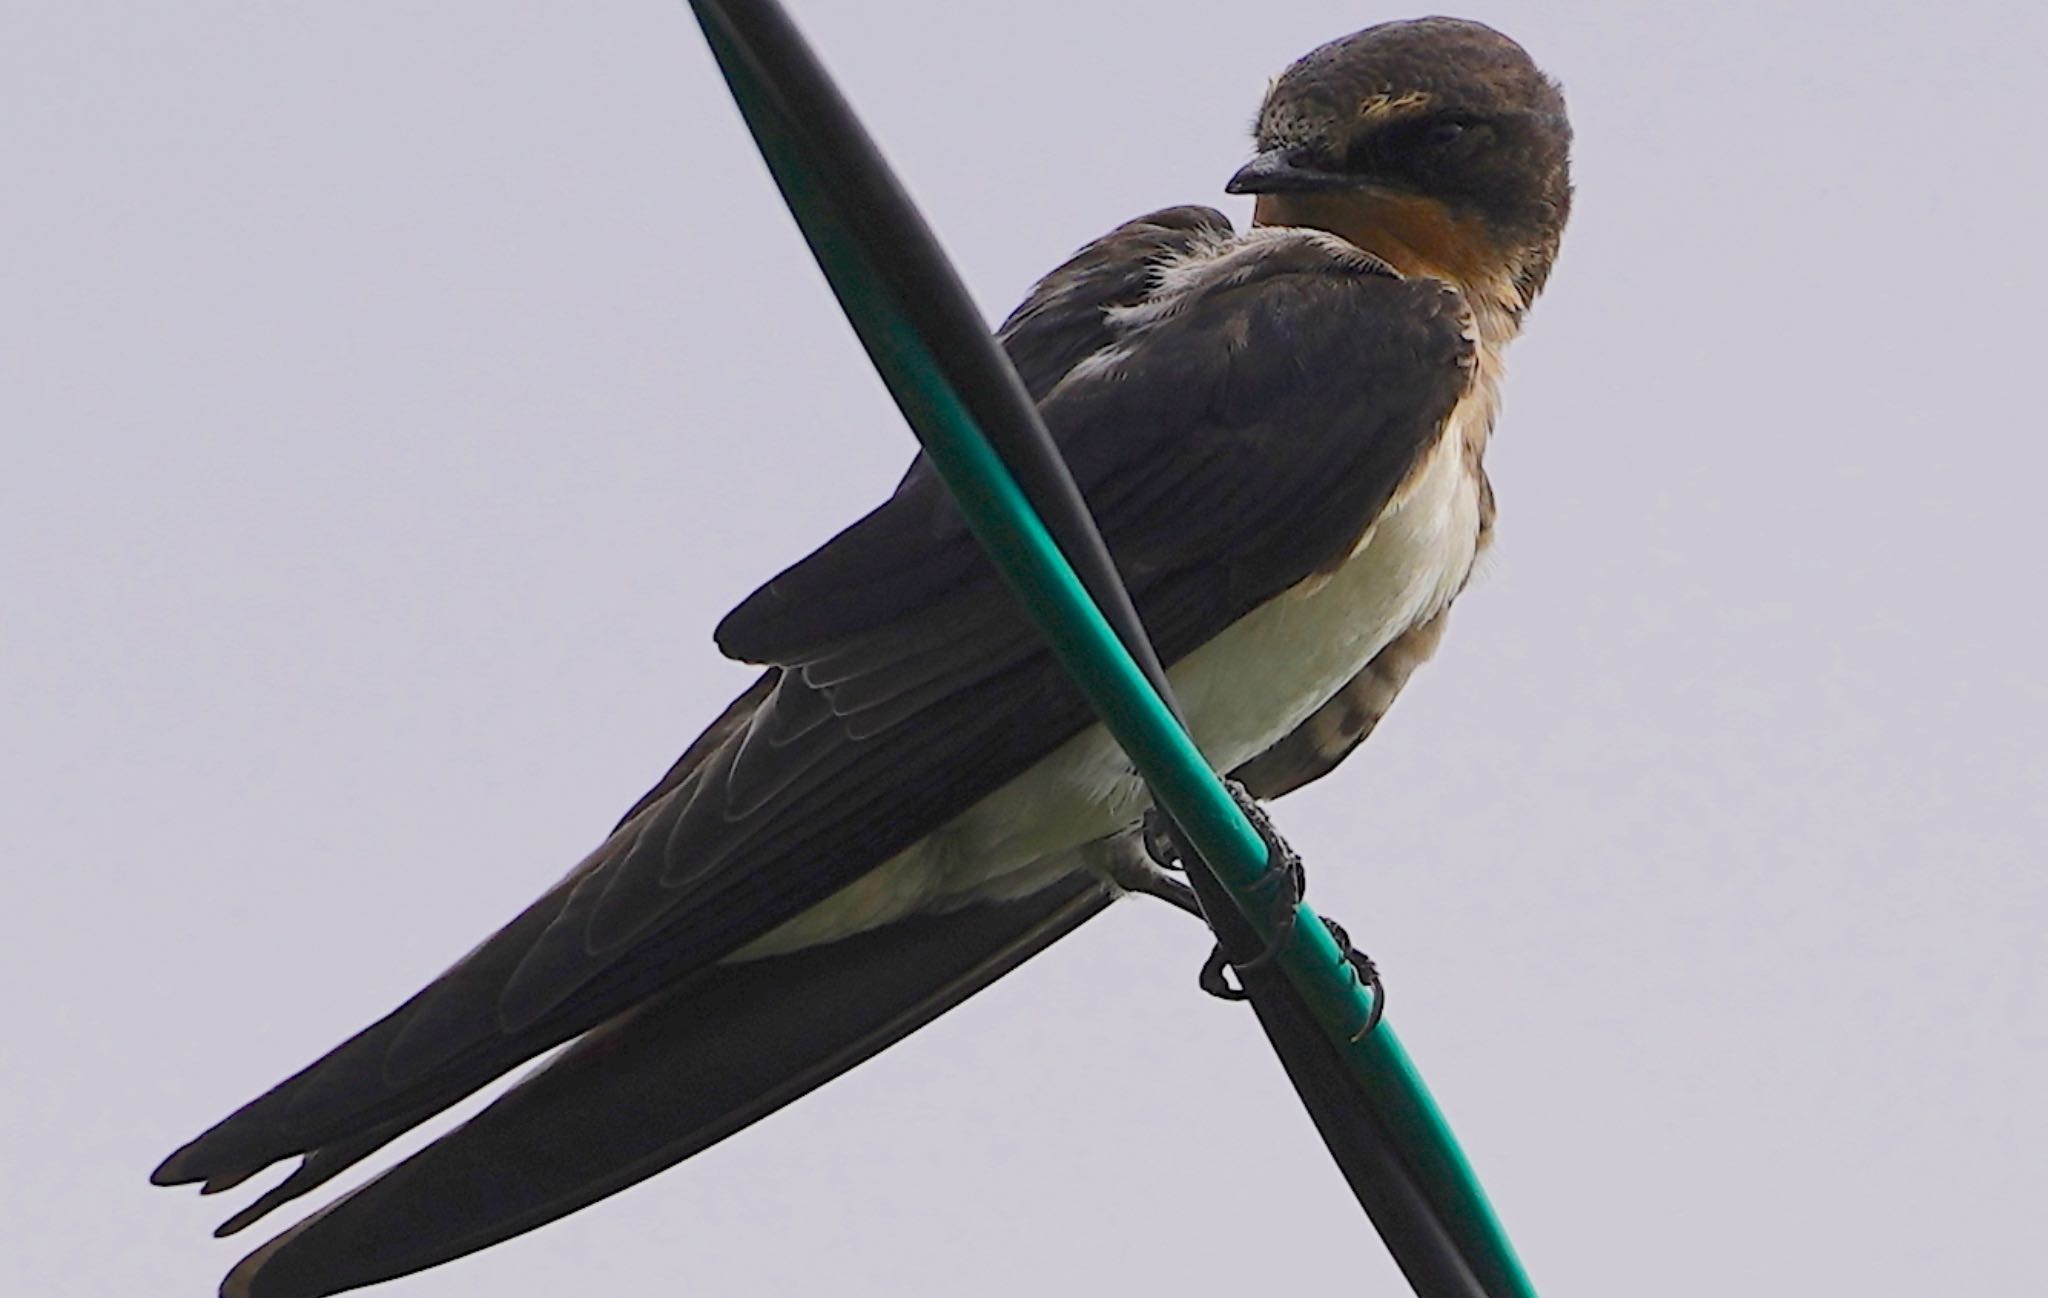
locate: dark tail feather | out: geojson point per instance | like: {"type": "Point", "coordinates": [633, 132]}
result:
{"type": "Point", "coordinates": [655, 1086]}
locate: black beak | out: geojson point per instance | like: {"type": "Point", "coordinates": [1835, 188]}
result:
{"type": "Point", "coordinates": [1287, 171]}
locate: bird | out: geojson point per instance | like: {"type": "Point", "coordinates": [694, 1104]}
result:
{"type": "Point", "coordinates": [1281, 431]}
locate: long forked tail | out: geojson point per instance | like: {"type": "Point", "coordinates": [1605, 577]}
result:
{"type": "Point", "coordinates": [654, 1086]}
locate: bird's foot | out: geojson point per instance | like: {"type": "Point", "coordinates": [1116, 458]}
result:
{"type": "Point", "coordinates": [1283, 884]}
{"type": "Point", "coordinates": [1280, 888]}
{"type": "Point", "coordinates": [1215, 977]}
{"type": "Point", "coordinates": [1133, 868]}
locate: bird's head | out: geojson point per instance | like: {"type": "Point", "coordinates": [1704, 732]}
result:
{"type": "Point", "coordinates": [1435, 143]}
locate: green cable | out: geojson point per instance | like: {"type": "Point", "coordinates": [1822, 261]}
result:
{"type": "Point", "coordinates": [1024, 551]}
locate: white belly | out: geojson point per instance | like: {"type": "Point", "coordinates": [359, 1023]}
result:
{"type": "Point", "coordinates": [1242, 692]}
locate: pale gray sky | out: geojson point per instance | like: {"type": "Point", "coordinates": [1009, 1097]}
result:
{"type": "Point", "coordinates": [394, 395]}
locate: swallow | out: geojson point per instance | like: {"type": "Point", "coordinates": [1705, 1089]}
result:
{"type": "Point", "coordinates": [1280, 431]}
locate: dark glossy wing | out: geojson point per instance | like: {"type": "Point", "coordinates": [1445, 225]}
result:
{"type": "Point", "coordinates": [1065, 319]}
{"type": "Point", "coordinates": [1231, 446]}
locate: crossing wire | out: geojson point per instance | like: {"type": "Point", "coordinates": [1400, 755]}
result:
{"type": "Point", "coordinates": [983, 434]}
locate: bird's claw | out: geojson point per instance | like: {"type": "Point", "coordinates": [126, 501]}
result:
{"type": "Point", "coordinates": [1368, 974]}
{"type": "Point", "coordinates": [1215, 977]}
{"type": "Point", "coordinates": [1285, 881]}
{"type": "Point", "coordinates": [1162, 841]}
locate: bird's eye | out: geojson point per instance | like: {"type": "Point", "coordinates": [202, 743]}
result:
{"type": "Point", "coordinates": [1416, 144]}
